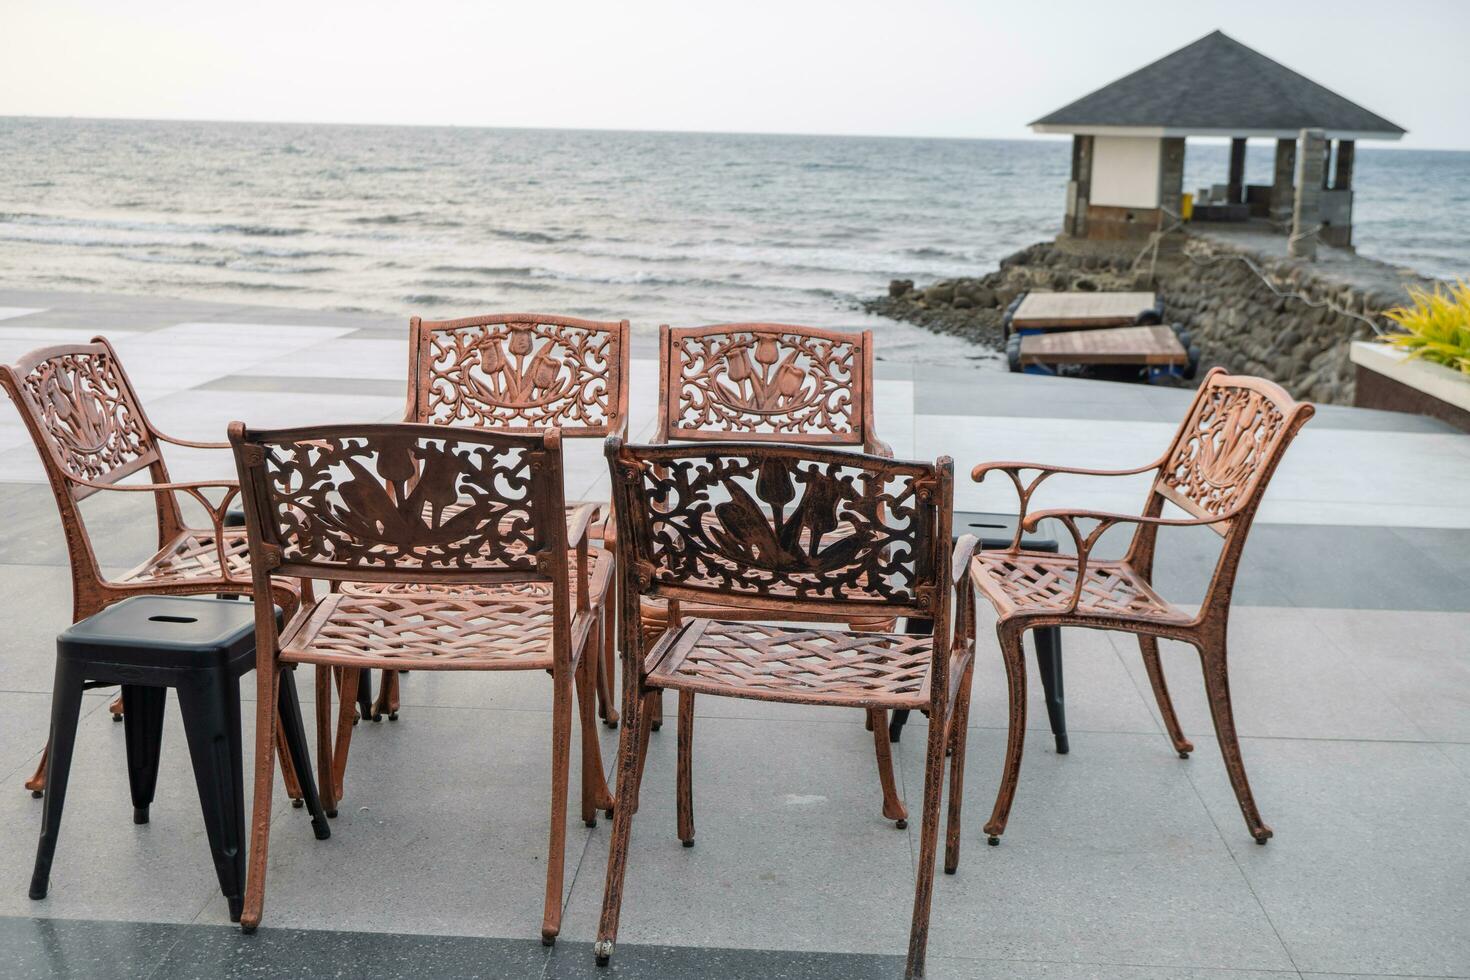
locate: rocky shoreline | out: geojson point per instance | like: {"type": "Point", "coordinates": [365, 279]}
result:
{"type": "Point", "coordinates": [1247, 307]}
{"type": "Point", "coordinates": [972, 307]}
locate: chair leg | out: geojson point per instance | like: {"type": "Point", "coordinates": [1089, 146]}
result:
{"type": "Point", "coordinates": [326, 785]}
{"type": "Point", "coordinates": [685, 791]}
{"type": "Point", "coordinates": [292, 735]}
{"type": "Point", "coordinates": [267, 703]}
{"type": "Point", "coordinates": [595, 793]}
{"type": "Point", "coordinates": [893, 807]}
{"type": "Point", "coordinates": [1048, 641]}
{"type": "Point", "coordinates": [143, 732]}
{"type": "Point", "coordinates": [1217, 688]}
{"type": "Point", "coordinates": [351, 678]}
{"type": "Point", "coordinates": [37, 783]}
{"type": "Point", "coordinates": [116, 708]}
{"type": "Point", "coordinates": [289, 779]}
{"type": "Point", "coordinates": [209, 701]}
{"type": "Point", "coordinates": [656, 712]}
{"type": "Point", "coordinates": [958, 736]}
{"type": "Point", "coordinates": [365, 709]}
{"type": "Point", "coordinates": [66, 708]}
{"type": "Point", "coordinates": [634, 707]}
{"type": "Point", "coordinates": [1010, 648]}
{"type": "Point", "coordinates": [1149, 646]}
{"type": "Point", "coordinates": [607, 699]}
{"type": "Point", "coordinates": [387, 700]}
{"type": "Point", "coordinates": [561, 737]}
{"type": "Point", "coordinates": [900, 717]}
{"type": "Point", "coordinates": [928, 846]}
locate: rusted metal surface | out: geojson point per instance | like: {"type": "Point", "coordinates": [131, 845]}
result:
{"type": "Point", "coordinates": [1216, 470]}
{"type": "Point", "coordinates": [790, 534]}
{"type": "Point", "coordinates": [464, 533]}
{"type": "Point", "coordinates": [1115, 345]}
{"type": "Point", "coordinates": [91, 432]}
{"type": "Point", "coordinates": [1051, 310]}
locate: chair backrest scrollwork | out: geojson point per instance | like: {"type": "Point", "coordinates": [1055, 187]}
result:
{"type": "Point", "coordinates": [520, 372]}
{"type": "Point", "coordinates": [784, 528]}
{"type": "Point", "coordinates": [766, 382]}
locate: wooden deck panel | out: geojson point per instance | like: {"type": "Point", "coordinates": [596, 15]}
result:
{"type": "Point", "coordinates": [1115, 345]}
{"type": "Point", "coordinates": [1050, 310]}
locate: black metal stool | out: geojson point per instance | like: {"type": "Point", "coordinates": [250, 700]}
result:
{"type": "Point", "coordinates": [200, 647]}
{"type": "Point", "coordinates": [998, 531]}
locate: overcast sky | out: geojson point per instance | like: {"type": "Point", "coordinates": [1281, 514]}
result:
{"type": "Point", "coordinates": [980, 68]}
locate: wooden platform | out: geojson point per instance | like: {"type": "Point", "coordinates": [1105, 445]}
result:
{"type": "Point", "coordinates": [1114, 345]}
{"type": "Point", "coordinates": [1042, 311]}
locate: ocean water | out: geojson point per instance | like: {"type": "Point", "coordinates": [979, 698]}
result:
{"type": "Point", "coordinates": [655, 227]}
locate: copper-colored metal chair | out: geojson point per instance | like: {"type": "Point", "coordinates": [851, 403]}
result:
{"type": "Point", "coordinates": [91, 432]}
{"type": "Point", "coordinates": [466, 532]}
{"type": "Point", "coordinates": [1216, 471]}
{"type": "Point", "coordinates": [525, 372]}
{"type": "Point", "coordinates": [771, 383]}
{"type": "Point", "coordinates": [795, 534]}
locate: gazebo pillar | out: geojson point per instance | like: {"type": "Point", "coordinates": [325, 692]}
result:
{"type": "Point", "coordinates": [1281, 192]}
{"type": "Point", "coordinates": [1337, 203]}
{"type": "Point", "coordinates": [1306, 212]}
{"type": "Point", "coordinates": [1342, 180]}
{"type": "Point", "coordinates": [1171, 179]}
{"type": "Point", "coordinates": [1235, 190]}
{"type": "Point", "coordinates": [1079, 188]}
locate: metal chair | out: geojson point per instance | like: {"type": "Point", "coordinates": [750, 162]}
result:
{"type": "Point", "coordinates": [92, 433]}
{"type": "Point", "coordinates": [796, 534]}
{"type": "Point", "coordinates": [467, 535]}
{"type": "Point", "coordinates": [1216, 470]}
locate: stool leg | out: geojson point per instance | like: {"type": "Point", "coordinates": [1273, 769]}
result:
{"type": "Point", "coordinates": [210, 704]}
{"type": "Point", "coordinates": [365, 696]}
{"type": "Point", "coordinates": [1048, 641]}
{"type": "Point", "coordinates": [294, 731]}
{"type": "Point", "coordinates": [66, 707]}
{"type": "Point", "coordinates": [143, 729]}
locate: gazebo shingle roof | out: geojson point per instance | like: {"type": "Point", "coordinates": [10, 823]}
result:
{"type": "Point", "coordinates": [1218, 86]}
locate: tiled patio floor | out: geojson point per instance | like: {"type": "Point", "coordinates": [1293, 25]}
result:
{"type": "Point", "coordinates": [1351, 665]}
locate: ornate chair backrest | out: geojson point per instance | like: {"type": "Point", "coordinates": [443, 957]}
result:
{"type": "Point", "coordinates": [766, 382]}
{"type": "Point", "coordinates": [520, 372]}
{"type": "Point", "coordinates": [784, 528]}
{"type": "Point", "coordinates": [406, 504]}
{"type": "Point", "coordinates": [1223, 457]}
{"type": "Point", "coordinates": [88, 425]}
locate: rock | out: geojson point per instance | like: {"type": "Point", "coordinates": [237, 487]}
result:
{"type": "Point", "coordinates": [898, 287]}
{"type": "Point", "coordinates": [939, 294]}
{"type": "Point", "coordinates": [963, 302]}
{"type": "Point", "coordinates": [1085, 286]}
{"type": "Point", "coordinates": [984, 297]}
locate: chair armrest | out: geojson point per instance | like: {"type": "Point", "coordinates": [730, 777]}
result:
{"type": "Point", "coordinates": [1025, 490]}
{"type": "Point", "coordinates": [964, 548]}
{"type": "Point", "coordinates": [219, 513]}
{"type": "Point", "coordinates": [579, 518]}
{"type": "Point", "coordinates": [188, 443]}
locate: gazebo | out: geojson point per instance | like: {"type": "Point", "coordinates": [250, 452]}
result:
{"type": "Point", "coordinates": [1128, 143]}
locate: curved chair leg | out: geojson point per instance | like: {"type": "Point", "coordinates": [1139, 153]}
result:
{"type": "Point", "coordinates": [266, 707]}
{"type": "Point", "coordinates": [352, 678]}
{"type": "Point", "coordinates": [1149, 645]}
{"type": "Point", "coordinates": [1010, 648]}
{"type": "Point", "coordinates": [622, 829]}
{"type": "Point", "coordinates": [928, 846]}
{"type": "Point", "coordinates": [645, 726]}
{"type": "Point", "coordinates": [387, 700]}
{"type": "Point", "coordinates": [561, 738]}
{"type": "Point", "coordinates": [893, 807]}
{"type": "Point", "coordinates": [595, 794]}
{"type": "Point", "coordinates": [289, 777]}
{"type": "Point", "coordinates": [1217, 688]}
{"type": "Point", "coordinates": [37, 783]}
{"type": "Point", "coordinates": [607, 699]}
{"type": "Point", "coordinates": [958, 736]}
{"type": "Point", "coordinates": [685, 791]}
{"type": "Point", "coordinates": [326, 786]}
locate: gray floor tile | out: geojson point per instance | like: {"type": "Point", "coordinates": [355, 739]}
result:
{"type": "Point", "coordinates": [306, 385]}
{"type": "Point", "coordinates": [630, 962]}
{"type": "Point", "coordinates": [1368, 867]}
{"type": "Point", "coordinates": [793, 851]}
{"type": "Point", "coordinates": [45, 949]}
{"type": "Point", "coordinates": [961, 969]}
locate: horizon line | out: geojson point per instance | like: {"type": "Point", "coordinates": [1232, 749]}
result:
{"type": "Point", "coordinates": [1039, 137]}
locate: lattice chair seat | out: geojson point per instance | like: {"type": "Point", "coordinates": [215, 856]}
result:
{"type": "Point", "coordinates": [193, 555]}
{"type": "Point", "coordinates": [1031, 582]}
{"type": "Point", "coordinates": [787, 663]}
{"type": "Point", "coordinates": [599, 577]}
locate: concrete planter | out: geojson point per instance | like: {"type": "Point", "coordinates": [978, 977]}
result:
{"type": "Point", "coordinates": [1389, 379]}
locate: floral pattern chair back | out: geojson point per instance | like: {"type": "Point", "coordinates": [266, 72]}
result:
{"type": "Point", "coordinates": [767, 382]}
{"type": "Point", "coordinates": [520, 371]}
{"type": "Point", "coordinates": [784, 528]}
{"type": "Point", "coordinates": [404, 503]}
